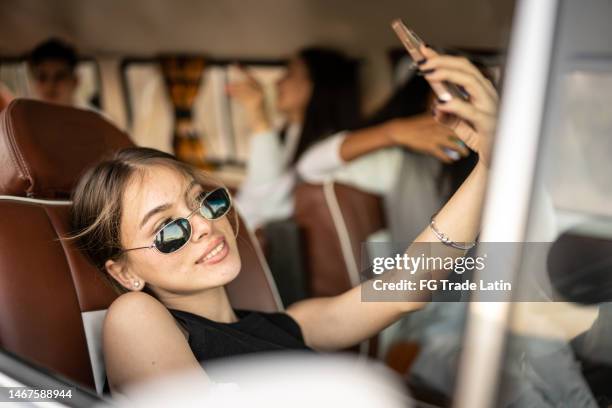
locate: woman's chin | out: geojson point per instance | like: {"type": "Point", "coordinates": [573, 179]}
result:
{"type": "Point", "coordinates": [222, 272]}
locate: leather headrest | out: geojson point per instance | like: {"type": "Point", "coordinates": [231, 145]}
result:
{"type": "Point", "coordinates": [45, 148]}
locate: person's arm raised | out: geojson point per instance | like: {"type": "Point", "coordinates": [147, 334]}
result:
{"type": "Point", "coordinates": [419, 133]}
{"type": "Point", "coordinates": [344, 320]}
{"type": "Point", "coordinates": [250, 94]}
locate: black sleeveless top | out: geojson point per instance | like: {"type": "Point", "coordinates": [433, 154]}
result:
{"type": "Point", "coordinates": [254, 332]}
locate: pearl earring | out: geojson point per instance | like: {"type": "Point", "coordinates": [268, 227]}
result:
{"type": "Point", "coordinates": [136, 284]}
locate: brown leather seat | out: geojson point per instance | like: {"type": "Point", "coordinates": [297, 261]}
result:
{"type": "Point", "coordinates": [52, 300]}
{"type": "Point", "coordinates": [335, 220]}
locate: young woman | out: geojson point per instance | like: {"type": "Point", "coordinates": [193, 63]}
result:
{"type": "Point", "coordinates": [318, 96]}
{"type": "Point", "coordinates": [149, 223]}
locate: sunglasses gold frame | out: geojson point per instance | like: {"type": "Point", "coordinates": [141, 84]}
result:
{"type": "Point", "coordinates": [229, 197]}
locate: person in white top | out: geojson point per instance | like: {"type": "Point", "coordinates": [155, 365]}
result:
{"type": "Point", "coordinates": [318, 96]}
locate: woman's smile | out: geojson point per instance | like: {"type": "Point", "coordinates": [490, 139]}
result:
{"type": "Point", "coordinates": [215, 252]}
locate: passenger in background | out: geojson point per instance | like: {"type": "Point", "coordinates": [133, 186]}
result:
{"type": "Point", "coordinates": [52, 66]}
{"type": "Point", "coordinates": [318, 96]}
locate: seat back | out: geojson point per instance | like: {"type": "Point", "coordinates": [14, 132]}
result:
{"type": "Point", "coordinates": [52, 300]}
{"type": "Point", "coordinates": [327, 274]}
{"type": "Point", "coordinates": [50, 294]}
{"type": "Point", "coordinates": [335, 220]}
{"type": "Point", "coordinates": [254, 288]}
{"type": "Point", "coordinates": [48, 291]}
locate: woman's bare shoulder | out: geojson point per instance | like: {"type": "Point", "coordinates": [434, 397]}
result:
{"type": "Point", "coordinates": [141, 340]}
{"type": "Point", "coordinates": [137, 314]}
{"type": "Point", "coordinates": [136, 302]}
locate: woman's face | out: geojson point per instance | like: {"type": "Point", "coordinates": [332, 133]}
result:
{"type": "Point", "coordinates": [167, 194]}
{"type": "Point", "coordinates": [294, 89]}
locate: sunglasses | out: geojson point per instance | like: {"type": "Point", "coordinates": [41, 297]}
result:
{"type": "Point", "coordinates": [174, 235]}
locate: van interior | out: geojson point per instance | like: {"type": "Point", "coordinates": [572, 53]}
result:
{"type": "Point", "coordinates": [156, 74]}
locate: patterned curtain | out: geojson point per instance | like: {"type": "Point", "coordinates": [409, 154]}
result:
{"type": "Point", "coordinates": [183, 75]}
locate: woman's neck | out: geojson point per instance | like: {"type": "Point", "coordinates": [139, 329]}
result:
{"type": "Point", "coordinates": [212, 304]}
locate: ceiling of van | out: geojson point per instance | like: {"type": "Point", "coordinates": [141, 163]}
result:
{"type": "Point", "coordinates": [248, 28]}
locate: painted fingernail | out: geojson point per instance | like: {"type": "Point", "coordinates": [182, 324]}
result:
{"type": "Point", "coordinates": [452, 154]}
{"type": "Point", "coordinates": [440, 101]}
{"type": "Point", "coordinates": [421, 62]}
{"type": "Point", "coordinates": [428, 71]}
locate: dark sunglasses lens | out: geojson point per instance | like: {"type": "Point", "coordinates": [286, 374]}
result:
{"type": "Point", "coordinates": [216, 204]}
{"type": "Point", "coordinates": [173, 236]}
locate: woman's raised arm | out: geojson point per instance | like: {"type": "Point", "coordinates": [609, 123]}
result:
{"type": "Point", "coordinates": [344, 320]}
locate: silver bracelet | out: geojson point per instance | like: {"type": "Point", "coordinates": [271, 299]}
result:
{"type": "Point", "coordinates": [445, 239]}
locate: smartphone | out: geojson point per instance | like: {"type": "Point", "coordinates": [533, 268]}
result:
{"type": "Point", "coordinates": [445, 91]}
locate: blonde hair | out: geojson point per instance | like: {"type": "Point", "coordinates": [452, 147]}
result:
{"type": "Point", "coordinates": [98, 198]}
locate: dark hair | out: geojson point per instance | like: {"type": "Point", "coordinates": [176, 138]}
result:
{"type": "Point", "coordinates": [412, 98]}
{"type": "Point", "coordinates": [334, 103]}
{"type": "Point", "coordinates": [98, 198]}
{"type": "Point", "coordinates": [53, 49]}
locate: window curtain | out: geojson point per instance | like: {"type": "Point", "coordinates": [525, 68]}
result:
{"type": "Point", "coordinates": [182, 76]}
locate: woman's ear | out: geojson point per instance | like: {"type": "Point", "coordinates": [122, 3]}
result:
{"type": "Point", "coordinates": [121, 274]}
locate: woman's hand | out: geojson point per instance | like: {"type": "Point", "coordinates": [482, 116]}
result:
{"type": "Point", "coordinates": [249, 93]}
{"type": "Point", "coordinates": [425, 135]}
{"type": "Point", "coordinates": [479, 114]}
